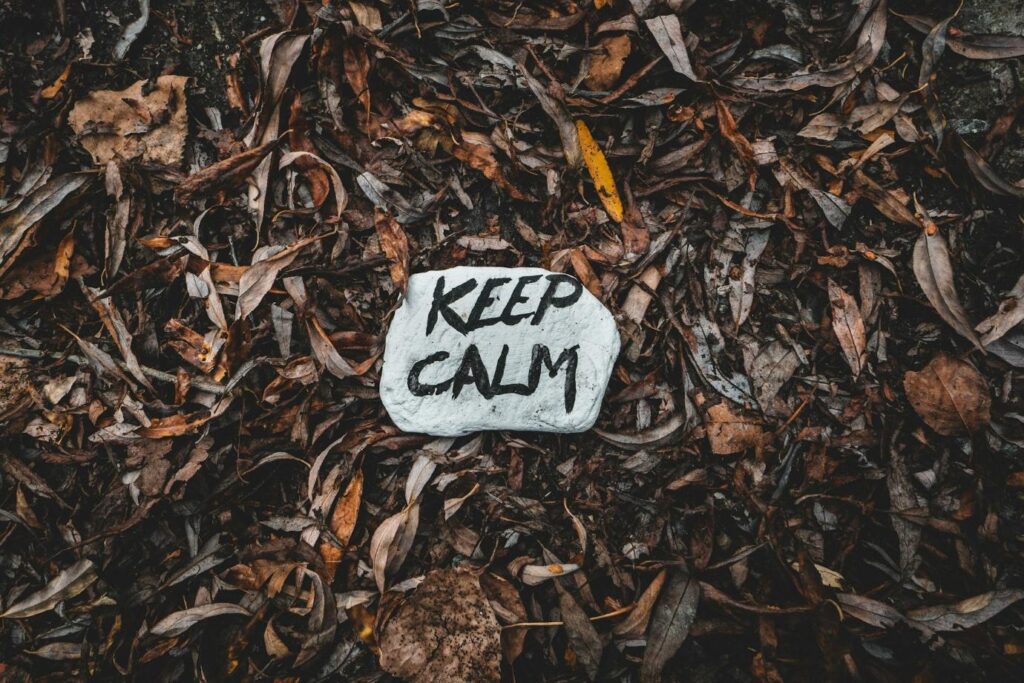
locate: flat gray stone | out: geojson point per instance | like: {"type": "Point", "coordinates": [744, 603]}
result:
{"type": "Point", "coordinates": [475, 349]}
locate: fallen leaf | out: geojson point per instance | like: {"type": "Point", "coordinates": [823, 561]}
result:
{"type": "Point", "coordinates": [668, 33]}
{"type": "Point", "coordinates": [175, 624]}
{"type": "Point", "coordinates": [583, 637]}
{"type": "Point", "coordinates": [674, 613]}
{"type": "Point", "coordinates": [600, 172]}
{"type": "Point", "coordinates": [395, 244]}
{"type": "Point", "coordinates": [64, 586]}
{"type": "Point", "coordinates": [1009, 315]}
{"type": "Point", "coordinates": [445, 631]}
{"type": "Point", "coordinates": [849, 327]}
{"type": "Point", "coordinates": [729, 432]}
{"type": "Point", "coordinates": [950, 395]}
{"type": "Point", "coordinates": [635, 623]}
{"type": "Point", "coordinates": [934, 271]}
{"type": "Point", "coordinates": [134, 122]}
{"type": "Point", "coordinates": [966, 613]}
{"type": "Point", "coordinates": [607, 60]}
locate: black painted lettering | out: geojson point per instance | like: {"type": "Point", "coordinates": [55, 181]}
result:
{"type": "Point", "coordinates": [442, 305]}
{"type": "Point", "coordinates": [570, 356]}
{"type": "Point", "coordinates": [476, 319]}
{"type": "Point", "coordinates": [418, 388]}
{"type": "Point", "coordinates": [507, 316]}
{"type": "Point", "coordinates": [472, 371]}
{"type": "Point", "coordinates": [499, 374]}
{"type": "Point", "coordinates": [550, 297]}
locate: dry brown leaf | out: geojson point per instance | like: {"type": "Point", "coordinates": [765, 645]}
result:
{"type": "Point", "coordinates": [138, 121]}
{"type": "Point", "coordinates": [674, 613]}
{"type": "Point", "coordinates": [950, 395]}
{"type": "Point", "coordinates": [586, 644]}
{"type": "Point", "coordinates": [934, 271]}
{"type": "Point", "coordinates": [729, 432]}
{"type": "Point", "coordinates": [849, 327]}
{"type": "Point", "coordinates": [607, 60]}
{"type": "Point", "coordinates": [267, 263]}
{"type": "Point", "coordinates": [343, 522]}
{"type": "Point", "coordinates": [635, 623]}
{"type": "Point", "coordinates": [509, 608]}
{"type": "Point", "coordinates": [445, 631]}
{"type": "Point", "coordinates": [224, 174]}
{"type": "Point", "coordinates": [477, 150]}
{"type": "Point", "coordinates": [395, 244]}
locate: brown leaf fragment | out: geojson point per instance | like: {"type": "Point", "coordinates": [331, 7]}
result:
{"type": "Point", "coordinates": [849, 327]}
{"type": "Point", "coordinates": [728, 129]}
{"type": "Point", "coordinates": [445, 631]}
{"type": "Point", "coordinates": [224, 174]}
{"type": "Point", "coordinates": [509, 608]}
{"type": "Point", "coordinates": [934, 271]}
{"type": "Point", "coordinates": [146, 120]}
{"type": "Point", "coordinates": [729, 432]}
{"type": "Point", "coordinates": [477, 150]}
{"type": "Point", "coordinates": [884, 200]}
{"type": "Point", "coordinates": [635, 623]}
{"type": "Point", "coordinates": [257, 280]}
{"type": "Point", "coordinates": [950, 395]}
{"type": "Point", "coordinates": [607, 60]}
{"type": "Point", "coordinates": [395, 244]}
{"type": "Point", "coordinates": [1009, 315]}
{"type": "Point", "coordinates": [673, 615]}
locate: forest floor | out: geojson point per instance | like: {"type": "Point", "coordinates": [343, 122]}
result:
{"type": "Point", "coordinates": [805, 217]}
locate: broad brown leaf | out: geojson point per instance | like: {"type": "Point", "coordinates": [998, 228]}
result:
{"type": "Point", "coordinates": [445, 631]}
{"type": "Point", "coordinates": [950, 395]}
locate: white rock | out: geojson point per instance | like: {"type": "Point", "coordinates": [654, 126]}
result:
{"type": "Point", "coordinates": [473, 349]}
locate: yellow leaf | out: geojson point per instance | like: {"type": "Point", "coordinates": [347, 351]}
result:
{"type": "Point", "coordinates": [50, 91]}
{"type": "Point", "coordinates": [597, 165]}
{"type": "Point", "coordinates": [598, 4]}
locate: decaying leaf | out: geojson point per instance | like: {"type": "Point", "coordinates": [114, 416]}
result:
{"type": "Point", "coordinates": [668, 33]}
{"type": "Point", "coordinates": [849, 327]}
{"type": "Point", "coordinates": [934, 271]}
{"type": "Point", "coordinates": [137, 122]}
{"type": "Point", "coordinates": [65, 585]}
{"type": "Point", "coordinates": [444, 631]}
{"type": "Point", "coordinates": [177, 623]}
{"type": "Point", "coordinates": [950, 395]}
{"type": "Point", "coordinates": [674, 613]}
{"type": "Point", "coordinates": [395, 244]}
{"type": "Point", "coordinates": [607, 61]}
{"type": "Point", "coordinates": [730, 432]}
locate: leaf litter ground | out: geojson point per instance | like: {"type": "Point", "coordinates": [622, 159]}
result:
{"type": "Point", "coordinates": [809, 463]}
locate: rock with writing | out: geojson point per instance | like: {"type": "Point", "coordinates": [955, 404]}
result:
{"type": "Point", "coordinates": [475, 349]}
